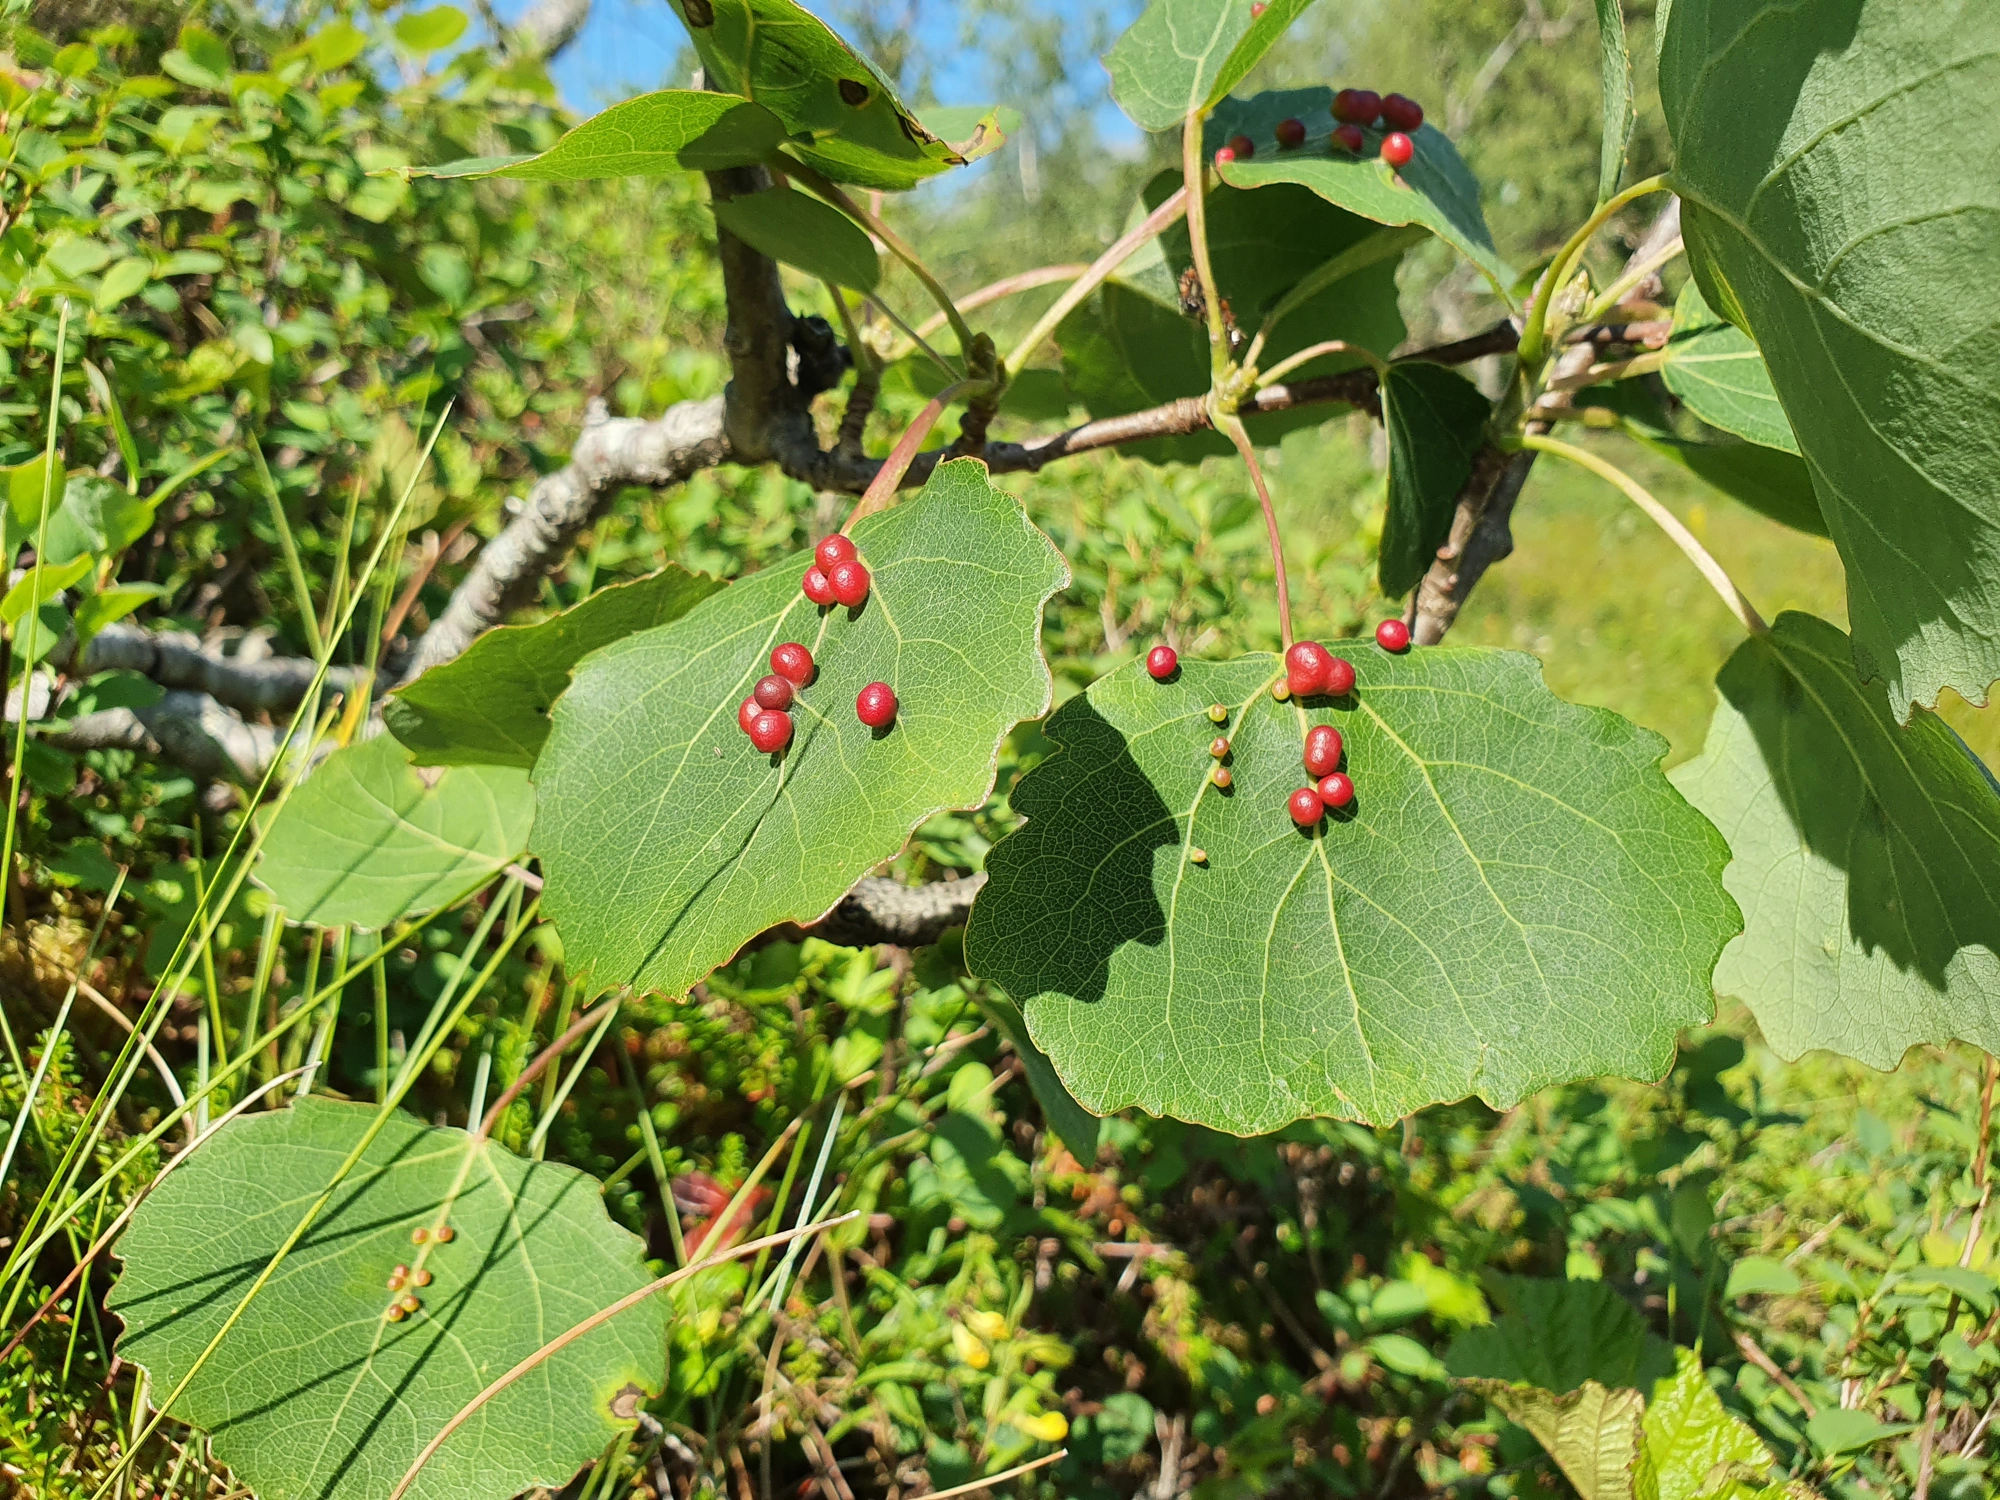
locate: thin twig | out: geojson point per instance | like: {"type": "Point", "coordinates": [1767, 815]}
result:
{"type": "Point", "coordinates": [1007, 286]}
{"type": "Point", "coordinates": [534, 1069]}
{"type": "Point", "coordinates": [1232, 428]}
{"type": "Point", "coordinates": [1754, 1352]}
{"type": "Point", "coordinates": [1121, 250]}
{"type": "Point", "coordinates": [1713, 571]}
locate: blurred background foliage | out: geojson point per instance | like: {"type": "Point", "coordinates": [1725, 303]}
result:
{"type": "Point", "coordinates": [1186, 1312]}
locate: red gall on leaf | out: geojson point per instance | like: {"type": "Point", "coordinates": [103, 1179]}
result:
{"type": "Point", "coordinates": [849, 582]}
{"type": "Point", "coordinates": [1323, 748]}
{"type": "Point", "coordinates": [1305, 807]}
{"type": "Point", "coordinates": [1401, 112]}
{"type": "Point", "coordinates": [1336, 790]}
{"type": "Point", "coordinates": [875, 706]}
{"type": "Point", "coordinates": [1162, 662]}
{"type": "Point", "coordinates": [1397, 149]}
{"type": "Point", "coordinates": [1392, 635]}
{"type": "Point", "coordinates": [832, 551]}
{"type": "Point", "coordinates": [1291, 134]}
{"type": "Point", "coordinates": [771, 730]}
{"type": "Point", "coordinates": [772, 692]}
{"type": "Point", "coordinates": [1357, 106]}
{"type": "Point", "coordinates": [816, 586]}
{"type": "Point", "coordinates": [792, 662]}
{"type": "Point", "coordinates": [1349, 138]}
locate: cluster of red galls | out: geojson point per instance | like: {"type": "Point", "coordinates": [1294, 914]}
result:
{"type": "Point", "coordinates": [1359, 111]}
{"type": "Point", "coordinates": [843, 578]}
{"type": "Point", "coordinates": [1311, 671]}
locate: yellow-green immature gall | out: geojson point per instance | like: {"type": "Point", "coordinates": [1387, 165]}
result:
{"type": "Point", "coordinates": [1218, 747]}
{"type": "Point", "coordinates": [420, 1277]}
{"type": "Point", "coordinates": [1218, 714]}
{"type": "Point", "coordinates": [444, 1234]}
{"type": "Point", "coordinates": [1198, 856]}
{"type": "Point", "coordinates": [419, 1235]}
{"type": "Point", "coordinates": [395, 1314]}
{"type": "Point", "coordinates": [1280, 690]}
{"type": "Point", "coordinates": [408, 1303]}
{"type": "Point", "coordinates": [1221, 777]}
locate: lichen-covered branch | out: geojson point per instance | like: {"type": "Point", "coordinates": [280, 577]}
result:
{"type": "Point", "coordinates": [177, 659]}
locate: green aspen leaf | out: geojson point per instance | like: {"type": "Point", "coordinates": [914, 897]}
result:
{"type": "Point", "coordinates": [674, 130]}
{"type": "Point", "coordinates": [1183, 55]}
{"type": "Point", "coordinates": [1131, 347]}
{"type": "Point", "coordinates": [422, 31]}
{"type": "Point", "coordinates": [1770, 481]}
{"type": "Point", "coordinates": [1592, 1433]}
{"type": "Point", "coordinates": [367, 839]}
{"type": "Point", "coordinates": [1719, 375]}
{"type": "Point", "coordinates": [315, 1393]}
{"type": "Point", "coordinates": [1865, 855]}
{"type": "Point", "coordinates": [125, 278]}
{"type": "Point", "coordinates": [1436, 420]}
{"type": "Point", "coordinates": [667, 840]}
{"type": "Point", "coordinates": [841, 112]}
{"type": "Point", "coordinates": [801, 231]}
{"type": "Point", "coordinates": [1822, 219]}
{"type": "Point", "coordinates": [109, 605]}
{"type": "Point", "coordinates": [29, 486]}
{"type": "Point", "coordinates": [1559, 1334]}
{"type": "Point", "coordinates": [1281, 977]}
{"type": "Point", "coordinates": [1614, 66]}
{"type": "Point", "coordinates": [1435, 190]}
{"type": "Point", "coordinates": [1689, 1433]}
{"type": "Point", "coordinates": [37, 585]}
{"type": "Point", "coordinates": [96, 516]}
{"type": "Point", "coordinates": [490, 705]}
{"type": "Point", "coordinates": [1758, 1275]}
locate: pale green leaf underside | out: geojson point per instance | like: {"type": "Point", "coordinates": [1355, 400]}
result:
{"type": "Point", "coordinates": [1517, 896]}
{"type": "Point", "coordinates": [365, 839]}
{"type": "Point", "coordinates": [801, 231]}
{"type": "Point", "coordinates": [1593, 1434]}
{"type": "Point", "coordinates": [1183, 55]}
{"type": "Point", "coordinates": [1614, 66]}
{"type": "Point", "coordinates": [673, 130]}
{"type": "Point", "coordinates": [490, 704]}
{"type": "Point", "coordinates": [1825, 214]}
{"type": "Point", "coordinates": [313, 1395]}
{"type": "Point", "coordinates": [1718, 373]}
{"type": "Point", "coordinates": [668, 841]}
{"type": "Point", "coordinates": [842, 114]}
{"type": "Point", "coordinates": [1865, 856]}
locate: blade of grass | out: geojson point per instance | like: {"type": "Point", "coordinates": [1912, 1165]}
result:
{"type": "Point", "coordinates": [288, 544]}
{"type": "Point", "coordinates": [538, 1141]}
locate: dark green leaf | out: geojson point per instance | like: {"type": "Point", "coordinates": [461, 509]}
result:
{"type": "Point", "coordinates": [667, 840]}
{"type": "Point", "coordinates": [1865, 854]}
{"type": "Point", "coordinates": [1823, 218]}
{"type": "Point", "coordinates": [1436, 420]}
{"type": "Point", "coordinates": [1183, 55]}
{"type": "Point", "coordinates": [366, 839]}
{"type": "Point", "coordinates": [1559, 1334]}
{"type": "Point", "coordinates": [1614, 64]}
{"type": "Point", "coordinates": [673, 130]}
{"type": "Point", "coordinates": [315, 1393]}
{"type": "Point", "coordinates": [1435, 190]}
{"type": "Point", "coordinates": [1131, 347]}
{"type": "Point", "coordinates": [491, 705]}
{"type": "Point", "coordinates": [841, 113]}
{"type": "Point", "coordinates": [801, 231]}
{"type": "Point", "coordinates": [1772, 482]}
{"type": "Point", "coordinates": [1281, 978]}
{"type": "Point", "coordinates": [1718, 374]}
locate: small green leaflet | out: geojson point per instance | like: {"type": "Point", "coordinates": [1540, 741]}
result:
{"type": "Point", "coordinates": [1865, 855]}
{"type": "Point", "coordinates": [1614, 62]}
{"type": "Point", "coordinates": [1840, 1429]}
{"type": "Point", "coordinates": [841, 114]}
{"type": "Point", "coordinates": [1436, 189]}
{"type": "Point", "coordinates": [1436, 420]}
{"type": "Point", "coordinates": [1716, 371]}
{"type": "Point", "coordinates": [1131, 347]}
{"type": "Point", "coordinates": [674, 130]}
{"type": "Point", "coordinates": [1183, 55]}
{"type": "Point", "coordinates": [668, 841]}
{"type": "Point", "coordinates": [1559, 1334]}
{"type": "Point", "coordinates": [314, 1395]}
{"type": "Point", "coordinates": [1823, 218]}
{"type": "Point", "coordinates": [368, 839]}
{"type": "Point", "coordinates": [1282, 978]}
{"type": "Point", "coordinates": [424, 31]}
{"type": "Point", "coordinates": [491, 705]}
{"type": "Point", "coordinates": [801, 231]}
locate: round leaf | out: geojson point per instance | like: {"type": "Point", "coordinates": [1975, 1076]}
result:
{"type": "Point", "coordinates": [1865, 855]}
{"type": "Point", "coordinates": [1824, 216]}
{"type": "Point", "coordinates": [1183, 55]}
{"type": "Point", "coordinates": [667, 840]}
{"type": "Point", "coordinates": [424, 31]}
{"type": "Point", "coordinates": [1436, 420]}
{"type": "Point", "coordinates": [1435, 189]}
{"type": "Point", "coordinates": [1516, 896]}
{"type": "Point", "coordinates": [315, 1393]}
{"type": "Point", "coordinates": [802, 231]}
{"type": "Point", "coordinates": [366, 839]}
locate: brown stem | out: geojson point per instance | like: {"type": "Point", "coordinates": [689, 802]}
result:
{"type": "Point", "coordinates": [536, 1068]}
{"type": "Point", "coordinates": [1233, 430]}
